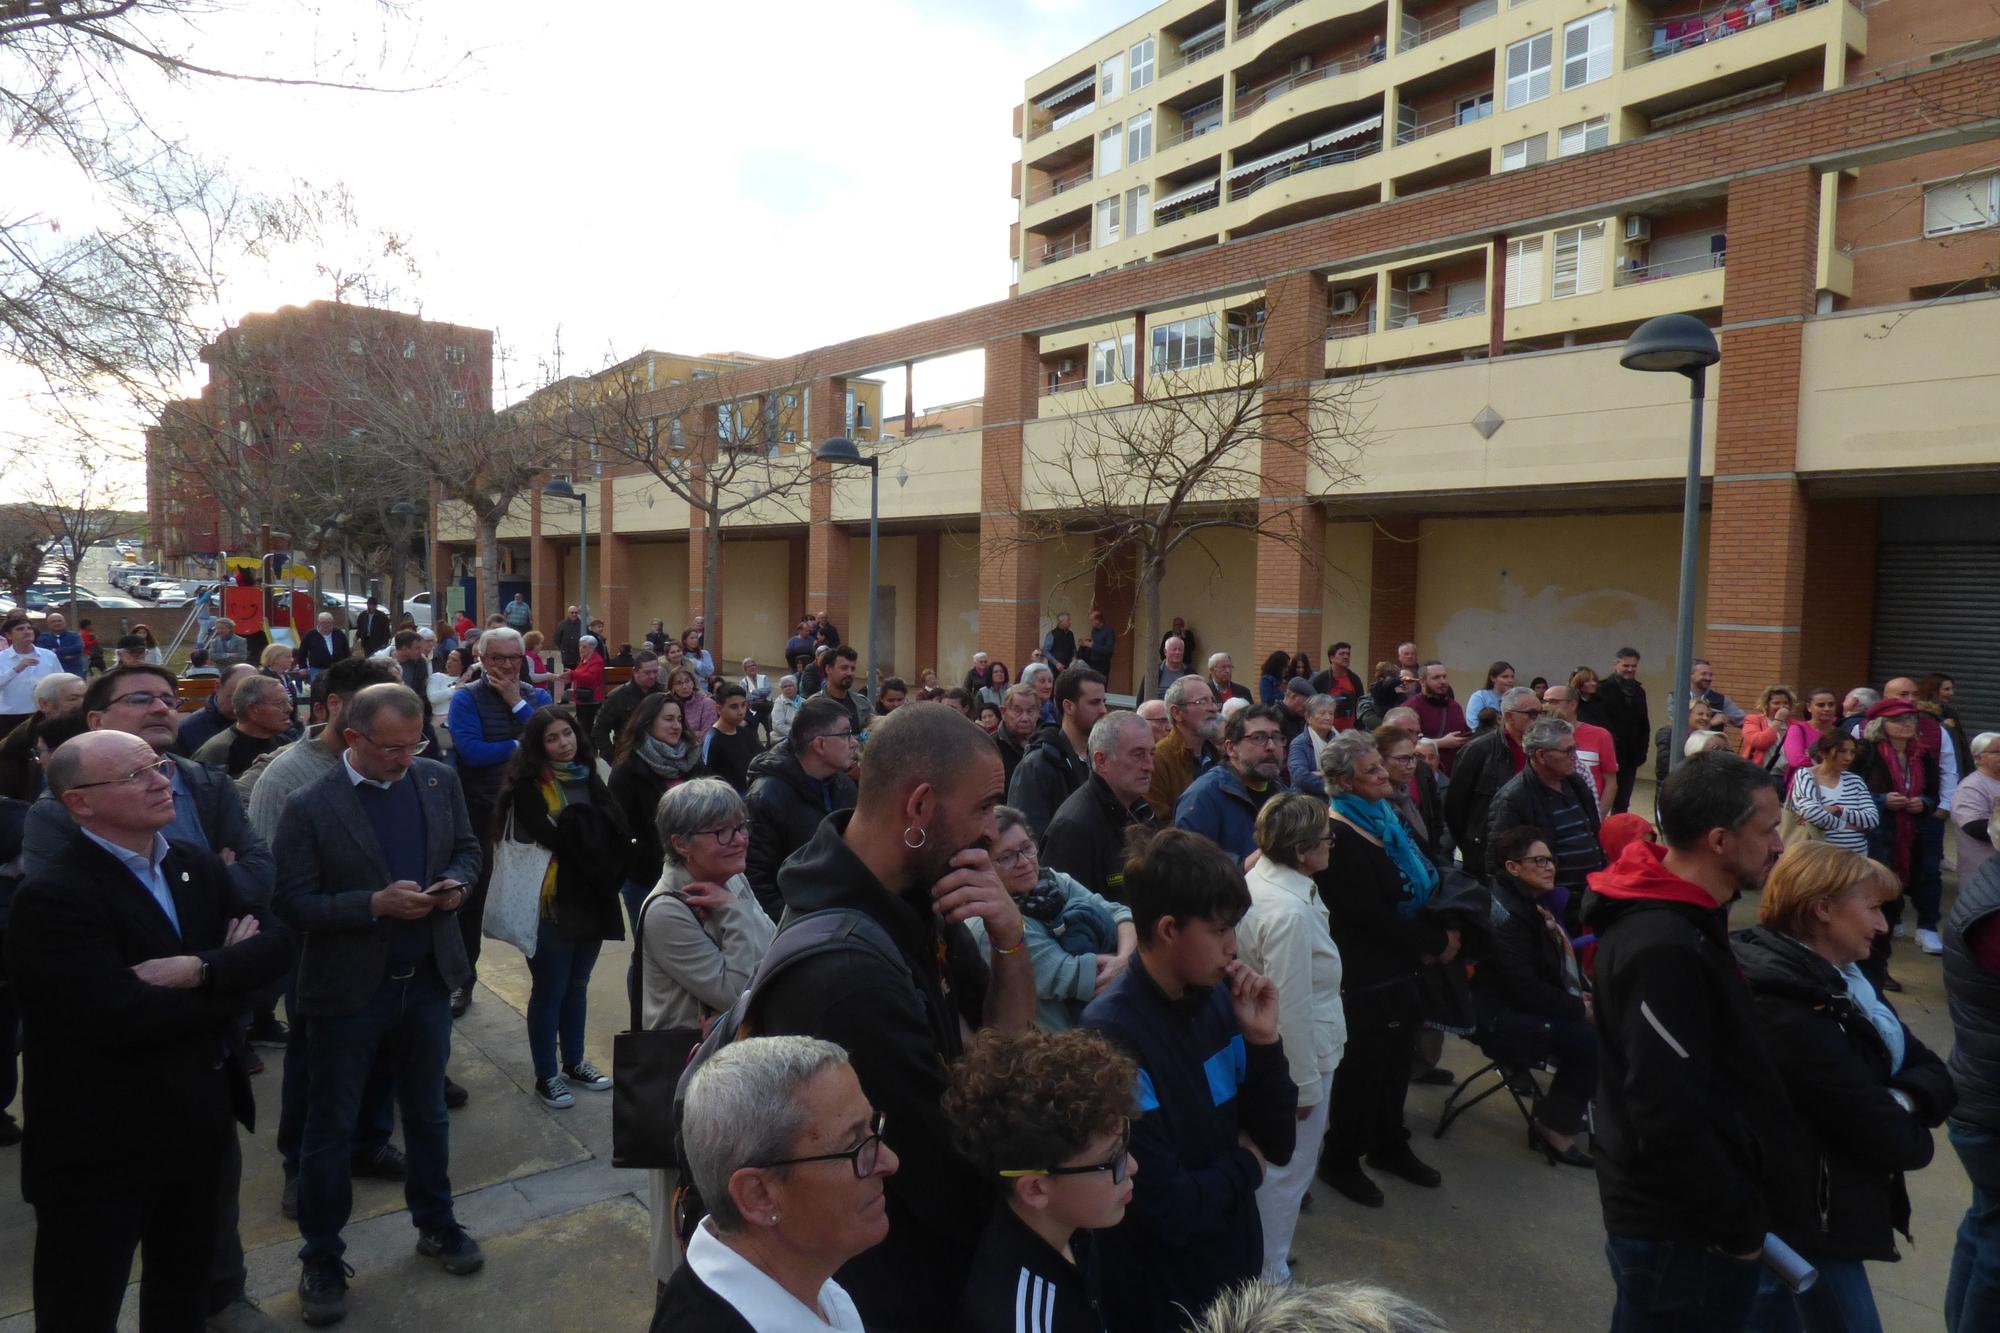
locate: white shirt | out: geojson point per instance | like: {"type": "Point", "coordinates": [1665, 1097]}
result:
{"type": "Point", "coordinates": [1284, 935]}
{"type": "Point", "coordinates": [17, 682]}
{"type": "Point", "coordinates": [755, 1295]}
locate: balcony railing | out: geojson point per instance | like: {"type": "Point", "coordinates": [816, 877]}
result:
{"type": "Point", "coordinates": [1246, 102]}
{"type": "Point", "coordinates": [1441, 27]}
{"type": "Point", "coordinates": [1412, 133]}
{"type": "Point", "coordinates": [1411, 319]}
{"type": "Point", "coordinates": [1067, 383]}
{"type": "Point", "coordinates": [1672, 36]}
{"type": "Point", "coordinates": [1050, 189]}
{"type": "Point", "coordinates": [1328, 158]}
{"type": "Point", "coordinates": [1195, 122]}
{"type": "Point", "coordinates": [1633, 274]}
{"type": "Point", "coordinates": [1355, 327]}
{"type": "Point", "coordinates": [1257, 18]}
{"type": "Point", "coordinates": [1202, 49]}
{"type": "Point", "coordinates": [1036, 132]}
{"type": "Point", "coordinates": [1055, 254]}
{"type": "Point", "coordinates": [1162, 216]}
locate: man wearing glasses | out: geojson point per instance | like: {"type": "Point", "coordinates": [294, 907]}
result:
{"type": "Point", "coordinates": [486, 721]}
{"type": "Point", "coordinates": [1550, 794]}
{"type": "Point", "coordinates": [1222, 804]}
{"type": "Point", "coordinates": [378, 853]}
{"type": "Point", "coordinates": [1483, 768]}
{"type": "Point", "coordinates": [792, 788]}
{"type": "Point", "coordinates": [134, 955]}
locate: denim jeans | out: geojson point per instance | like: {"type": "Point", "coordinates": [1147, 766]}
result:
{"type": "Point", "coordinates": [634, 893]}
{"type": "Point", "coordinates": [1666, 1286]}
{"type": "Point", "coordinates": [1972, 1294]}
{"type": "Point", "coordinates": [376, 1117]}
{"type": "Point", "coordinates": [1840, 1302]}
{"type": "Point", "coordinates": [410, 1018]}
{"type": "Point", "coordinates": [560, 999]}
{"type": "Point", "coordinates": [1927, 870]}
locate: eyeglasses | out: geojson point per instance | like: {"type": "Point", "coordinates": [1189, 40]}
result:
{"type": "Point", "coordinates": [1399, 758]}
{"type": "Point", "coordinates": [836, 736]}
{"type": "Point", "coordinates": [502, 658]}
{"type": "Point", "coordinates": [1115, 1163]}
{"type": "Point", "coordinates": [161, 768]}
{"type": "Point", "coordinates": [1545, 862]}
{"type": "Point", "coordinates": [726, 836]}
{"type": "Point", "coordinates": [144, 699]}
{"type": "Point", "coordinates": [413, 749]}
{"type": "Point", "coordinates": [1262, 738]}
{"type": "Point", "coordinates": [1019, 856]}
{"type": "Point", "coordinates": [864, 1156]}
{"type": "Point", "coordinates": [1565, 751]}
{"type": "Point", "coordinates": [1525, 712]}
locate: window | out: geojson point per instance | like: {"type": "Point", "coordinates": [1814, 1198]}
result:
{"type": "Point", "coordinates": [408, 395]}
{"type": "Point", "coordinates": [1524, 153]}
{"type": "Point", "coordinates": [1108, 78]}
{"type": "Point", "coordinates": [1109, 143]}
{"type": "Point", "coordinates": [676, 435]}
{"type": "Point", "coordinates": [1587, 50]}
{"type": "Point", "coordinates": [1528, 69]}
{"type": "Point", "coordinates": [1465, 298]}
{"type": "Point", "coordinates": [1583, 136]}
{"type": "Point", "coordinates": [1579, 266]}
{"type": "Point", "coordinates": [1962, 205]}
{"type": "Point", "coordinates": [791, 437]}
{"type": "Point", "coordinates": [1183, 345]}
{"type": "Point", "coordinates": [1142, 64]}
{"type": "Point", "coordinates": [1524, 271]}
{"type": "Point", "coordinates": [849, 418]}
{"type": "Point", "coordinates": [1469, 109]}
{"type": "Point", "coordinates": [409, 349]}
{"type": "Point", "coordinates": [1107, 221]}
{"type": "Point", "coordinates": [704, 375]}
{"type": "Point", "coordinates": [1111, 360]}
{"type": "Point", "coordinates": [455, 355]}
{"type": "Point", "coordinates": [791, 401]}
{"type": "Point", "coordinates": [1138, 210]}
{"type": "Point", "coordinates": [1139, 137]}
{"type": "Point", "coordinates": [726, 423]}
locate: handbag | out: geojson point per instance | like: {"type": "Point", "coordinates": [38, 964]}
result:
{"type": "Point", "coordinates": [646, 1067]}
{"type": "Point", "coordinates": [1796, 831]}
{"type": "Point", "coordinates": [514, 890]}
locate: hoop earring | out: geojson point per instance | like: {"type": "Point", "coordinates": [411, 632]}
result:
{"type": "Point", "coordinates": [923, 836]}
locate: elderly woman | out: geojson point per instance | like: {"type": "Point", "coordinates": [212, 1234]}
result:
{"type": "Point", "coordinates": [536, 671]}
{"type": "Point", "coordinates": [928, 689]}
{"type": "Point", "coordinates": [1974, 804]}
{"type": "Point", "coordinates": [697, 709]}
{"type": "Point", "coordinates": [785, 707]}
{"type": "Point", "coordinates": [586, 680]}
{"type": "Point", "coordinates": [1043, 680]}
{"type": "Point", "coordinates": [1302, 756]}
{"type": "Point", "coordinates": [1078, 941]}
{"type": "Point", "coordinates": [1284, 936]}
{"type": "Point", "coordinates": [788, 1155]}
{"type": "Point", "coordinates": [700, 935]}
{"type": "Point", "coordinates": [1867, 1092]}
{"type": "Point", "coordinates": [1376, 879]}
{"type": "Point", "coordinates": [1532, 1001]}
{"type": "Point", "coordinates": [1831, 797]}
{"type": "Point", "coordinates": [1413, 790]}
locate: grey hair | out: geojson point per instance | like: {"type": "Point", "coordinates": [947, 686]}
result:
{"type": "Point", "coordinates": [590, 639]}
{"type": "Point", "coordinates": [1319, 701]}
{"type": "Point", "coordinates": [1289, 825]}
{"type": "Point", "coordinates": [1176, 694]}
{"type": "Point", "coordinates": [1106, 732]}
{"type": "Point", "coordinates": [1343, 754]}
{"type": "Point", "coordinates": [499, 634]}
{"type": "Point", "coordinates": [261, 689]}
{"type": "Point", "coordinates": [1517, 696]}
{"type": "Point", "coordinates": [1213, 658]}
{"type": "Point", "coordinates": [1006, 817]}
{"type": "Point", "coordinates": [49, 686]}
{"type": "Point", "coordinates": [743, 1108]}
{"type": "Point", "coordinates": [1023, 689]}
{"type": "Point", "coordinates": [1403, 716]}
{"type": "Point", "coordinates": [1981, 743]}
{"type": "Point", "coordinates": [792, 681]}
{"type": "Point", "coordinates": [386, 697]}
{"type": "Point", "coordinates": [1546, 733]}
{"type": "Point", "coordinates": [691, 807]}
{"type": "Point", "coordinates": [1035, 671]}
{"type": "Point", "coordinates": [1262, 1307]}
{"type": "Point", "coordinates": [1860, 699]}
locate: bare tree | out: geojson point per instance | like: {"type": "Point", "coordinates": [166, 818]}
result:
{"type": "Point", "coordinates": [1146, 482]}
{"type": "Point", "coordinates": [82, 506]}
{"type": "Point", "coordinates": [21, 539]}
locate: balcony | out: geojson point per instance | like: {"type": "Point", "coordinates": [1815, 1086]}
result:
{"type": "Point", "coordinates": [1309, 156]}
{"type": "Point", "coordinates": [1418, 318]}
{"type": "Point", "coordinates": [1247, 102]}
{"type": "Point", "coordinates": [1195, 122]}
{"type": "Point", "coordinates": [1198, 46]}
{"type": "Point", "coordinates": [1416, 33]}
{"type": "Point", "coordinates": [1050, 189]}
{"type": "Point", "coordinates": [1058, 251]}
{"type": "Point", "coordinates": [1634, 274]}
{"type": "Point", "coordinates": [1180, 211]}
{"type": "Point", "coordinates": [1673, 36]}
{"type": "Point", "coordinates": [1261, 13]}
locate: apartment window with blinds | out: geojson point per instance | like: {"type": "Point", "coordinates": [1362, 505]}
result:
{"type": "Point", "coordinates": [1587, 50]}
{"type": "Point", "coordinates": [1108, 76]}
{"type": "Point", "coordinates": [1528, 69]}
{"type": "Point", "coordinates": [1109, 145]}
{"type": "Point", "coordinates": [1107, 221]}
{"type": "Point", "coordinates": [1524, 271]}
{"type": "Point", "coordinates": [1962, 205]}
{"type": "Point", "coordinates": [1142, 64]}
{"type": "Point", "coordinates": [1139, 137]}
{"type": "Point", "coordinates": [1579, 266]}
{"type": "Point", "coordinates": [1111, 360]}
{"type": "Point", "coordinates": [1469, 109]}
{"type": "Point", "coordinates": [1138, 210]}
{"type": "Point", "coordinates": [1524, 152]}
{"type": "Point", "coordinates": [1184, 344]}
{"type": "Point", "coordinates": [1583, 136]}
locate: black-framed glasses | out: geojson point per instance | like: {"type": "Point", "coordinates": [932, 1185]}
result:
{"type": "Point", "coordinates": [727, 835]}
{"type": "Point", "coordinates": [1525, 712]}
{"type": "Point", "coordinates": [1019, 856]}
{"type": "Point", "coordinates": [1545, 861]}
{"type": "Point", "coordinates": [162, 768]}
{"type": "Point", "coordinates": [145, 699]}
{"type": "Point", "coordinates": [864, 1156]}
{"type": "Point", "coordinates": [1115, 1163]}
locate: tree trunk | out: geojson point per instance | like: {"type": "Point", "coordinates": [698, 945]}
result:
{"type": "Point", "coordinates": [711, 582]}
{"type": "Point", "coordinates": [488, 575]}
{"type": "Point", "coordinates": [1146, 617]}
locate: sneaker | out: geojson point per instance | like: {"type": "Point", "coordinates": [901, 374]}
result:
{"type": "Point", "coordinates": [288, 1202]}
{"type": "Point", "coordinates": [385, 1163]}
{"type": "Point", "coordinates": [555, 1092]}
{"type": "Point", "coordinates": [269, 1030]}
{"type": "Point", "coordinates": [454, 1096]}
{"type": "Point", "coordinates": [243, 1315]}
{"type": "Point", "coordinates": [461, 1000]}
{"type": "Point", "coordinates": [1928, 941]}
{"type": "Point", "coordinates": [459, 1253]}
{"type": "Point", "coordinates": [323, 1291]}
{"type": "Point", "coordinates": [584, 1074]}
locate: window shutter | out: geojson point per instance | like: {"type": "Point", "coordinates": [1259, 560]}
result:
{"type": "Point", "coordinates": [1524, 271]}
{"type": "Point", "coordinates": [1538, 58]}
{"type": "Point", "coordinates": [1960, 205]}
{"type": "Point", "coordinates": [1590, 259]}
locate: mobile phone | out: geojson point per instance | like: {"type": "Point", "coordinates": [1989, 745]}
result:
{"type": "Point", "coordinates": [444, 886]}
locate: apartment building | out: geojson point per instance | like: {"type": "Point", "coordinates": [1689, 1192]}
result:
{"type": "Point", "coordinates": [1437, 224]}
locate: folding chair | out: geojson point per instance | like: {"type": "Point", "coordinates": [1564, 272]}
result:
{"type": "Point", "coordinates": [1519, 1084]}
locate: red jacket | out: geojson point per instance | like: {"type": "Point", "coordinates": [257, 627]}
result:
{"type": "Point", "coordinates": [1439, 717]}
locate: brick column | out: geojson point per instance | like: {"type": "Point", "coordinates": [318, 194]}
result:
{"type": "Point", "coordinates": [1291, 537]}
{"type": "Point", "coordinates": [1758, 515]}
{"type": "Point", "coordinates": [927, 610]}
{"type": "Point", "coordinates": [1834, 640]}
{"type": "Point", "coordinates": [1010, 570]}
{"type": "Point", "coordinates": [1114, 587]}
{"type": "Point", "coordinates": [826, 543]}
{"type": "Point", "coordinates": [1392, 591]}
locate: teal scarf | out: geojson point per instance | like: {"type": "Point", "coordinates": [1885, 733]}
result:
{"type": "Point", "coordinates": [1378, 819]}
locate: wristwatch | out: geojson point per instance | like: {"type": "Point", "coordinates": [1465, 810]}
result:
{"type": "Point", "coordinates": [207, 979]}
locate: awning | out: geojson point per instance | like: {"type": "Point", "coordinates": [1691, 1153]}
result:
{"type": "Point", "coordinates": [1285, 155]}
{"type": "Point", "coordinates": [1182, 196]}
{"type": "Point", "coordinates": [1358, 127]}
{"type": "Point", "coordinates": [1197, 38]}
{"type": "Point", "coordinates": [1067, 91]}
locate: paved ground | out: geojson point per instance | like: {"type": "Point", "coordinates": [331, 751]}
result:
{"type": "Point", "coordinates": [1507, 1244]}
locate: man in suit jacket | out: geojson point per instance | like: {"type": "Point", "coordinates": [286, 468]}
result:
{"type": "Point", "coordinates": [133, 957]}
{"type": "Point", "coordinates": [322, 646]}
{"type": "Point", "coordinates": [372, 627]}
{"type": "Point", "coordinates": [378, 852]}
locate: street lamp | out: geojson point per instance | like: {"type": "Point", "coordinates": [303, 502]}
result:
{"type": "Point", "coordinates": [1684, 345]}
{"type": "Point", "coordinates": [841, 452]}
{"type": "Point", "coordinates": [560, 489]}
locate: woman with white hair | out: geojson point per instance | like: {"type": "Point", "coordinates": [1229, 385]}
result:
{"type": "Point", "coordinates": [700, 935]}
{"type": "Point", "coordinates": [1042, 679]}
{"type": "Point", "coordinates": [586, 682]}
{"type": "Point", "coordinates": [788, 1156]}
{"type": "Point", "coordinates": [1973, 805]}
{"type": "Point", "coordinates": [785, 707]}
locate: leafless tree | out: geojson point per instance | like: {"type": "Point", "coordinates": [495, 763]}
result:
{"type": "Point", "coordinates": [78, 507]}
{"type": "Point", "coordinates": [21, 539]}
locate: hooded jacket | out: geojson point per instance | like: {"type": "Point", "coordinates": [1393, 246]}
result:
{"type": "Point", "coordinates": [785, 805]}
{"type": "Point", "coordinates": [1857, 1139]}
{"type": "Point", "coordinates": [1049, 771]}
{"type": "Point", "coordinates": [1694, 1134]}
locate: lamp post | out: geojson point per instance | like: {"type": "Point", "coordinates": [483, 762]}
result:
{"type": "Point", "coordinates": [560, 489]}
{"type": "Point", "coordinates": [1684, 345]}
{"type": "Point", "coordinates": [841, 452]}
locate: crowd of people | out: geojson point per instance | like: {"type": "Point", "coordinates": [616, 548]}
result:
{"type": "Point", "coordinates": [1010, 1009]}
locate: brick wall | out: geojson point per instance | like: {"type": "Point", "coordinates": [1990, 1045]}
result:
{"type": "Point", "coordinates": [1291, 534]}
{"type": "Point", "coordinates": [1010, 568]}
{"type": "Point", "coordinates": [1392, 593]}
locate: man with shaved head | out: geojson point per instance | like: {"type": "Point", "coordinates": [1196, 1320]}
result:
{"type": "Point", "coordinates": [911, 861]}
{"type": "Point", "coordinates": [133, 956]}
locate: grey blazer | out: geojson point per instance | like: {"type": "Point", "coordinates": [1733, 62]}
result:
{"type": "Point", "coordinates": [333, 865]}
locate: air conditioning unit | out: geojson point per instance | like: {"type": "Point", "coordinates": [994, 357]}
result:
{"type": "Point", "coordinates": [1420, 281]}
{"type": "Point", "coordinates": [1638, 229]}
{"type": "Point", "coordinates": [1346, 303]}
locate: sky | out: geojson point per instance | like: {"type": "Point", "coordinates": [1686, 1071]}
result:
{"type": "Point", "coordinates": [766, 176]}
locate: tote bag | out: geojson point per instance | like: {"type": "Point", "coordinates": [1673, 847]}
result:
{"type": "Point", "coordinates": [646, 1067]}
{"type": "Point", "coordinates": [514, 891]}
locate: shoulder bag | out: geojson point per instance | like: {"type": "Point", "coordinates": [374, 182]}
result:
{"type": "Point", "coordinates": [514, 890]}
{"type": "Point", "coordinates": [646, 1067]}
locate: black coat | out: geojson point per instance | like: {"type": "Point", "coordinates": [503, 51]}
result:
{"type": "Point", "coordinates": [614, 712]}
{"type": "Point", "coordinates": [785, 807]}
{"type": "Point", "coordinates": [1048, 772]}
{"type": "Point", "coordinates": [1860, 1139]}
{"type": "Point", "coordinates": [1526, 799]}
{"type": "Point", "coordinates": [636, 790]}
{"type": "Point", "coordinates": [1380, 948]}
{"type": "Point", "coordinates": [1521, 968]}
{"type": "Point", "coordinates": [122, 1076]}
{"type": "Point", "coordinates": [688, 1305]}
{"type": "Point", "coordinates": [1086, 839]}
{"type": "Point", "coordinates": [588, 841]}
{"type": "Point", "coordinates": [1482, 769]}
{"type": "Point", "coordinates": [1622, 714]}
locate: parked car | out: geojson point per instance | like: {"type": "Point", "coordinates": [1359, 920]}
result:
{"type": "Point", "coordinates": [418, 608]}
{"type": "Point", "coordinates": [123, 575]}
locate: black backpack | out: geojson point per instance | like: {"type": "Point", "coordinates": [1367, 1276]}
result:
{"type": "Point", "coordinates": [808, 935]}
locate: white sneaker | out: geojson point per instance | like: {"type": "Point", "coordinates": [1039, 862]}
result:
{"type": "Point", "coordinates": [1901, 932]}
{"type": "Point", "coordinates": [1928, 941]}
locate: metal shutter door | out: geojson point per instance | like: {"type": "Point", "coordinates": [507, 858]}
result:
{"type": "Point", "coordinates": [1937, 608]}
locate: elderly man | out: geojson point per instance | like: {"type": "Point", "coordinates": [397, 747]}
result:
{"type": "Point", "coordinates": [64, 642]}
{"type": "Point", "coordinates": [130, 650]}
{"type": "Point", "coordinates": [1596, 752]}
{"type": "Point", "coordinates": [1055, 763]}
{"type": "Point", "coordinates": [1020, 712]}
{"type": "Point", "coordinates": [569, 637]}
{"type": "Point", "coordinates": [59, 695]}
{"type": "Point", "coordinates": [1927, 866]}
{"type": "Point", "coordinates": [1222, 679]}
{"type": "Point", "coordinates": [227, 648]}
{"type": "Point", "coordinates": [621, 703]}
{"type": "Point", "coordinates": [520, 616]}
{"type": "Point", "coordinates": [1188, 750]}
{"type": "Point", "coordinates": [1086, 837]}
{"type": "Point", "coordinates": [1156, 715]}
{"type": "Point", "coordinates": [1549, 794]}
{"type": "Point", "coordinates": [322, 645]}
{"type": "Point", "coordinates": [1222, 804]}
{"type": "Point", "coordinates": [133, 955]}
{"type": "Point", "coordinates": [1483, 768]}
{"type": "Point", "coordinates": [217, 714]}
{"type": "Point", "coordinates": [263, 711]}
{"type": "Point", "coordinates": [374, 628]}
{"type": "Point", "coordinates": [379, 851]}
{"type": "Point", "coordinates": [1172, 665]}
{"type": "Point", "coordinates": [23, 663]}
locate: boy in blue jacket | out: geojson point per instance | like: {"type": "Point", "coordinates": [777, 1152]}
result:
{"type": "Point", "coordinates": [1216, 1101]}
